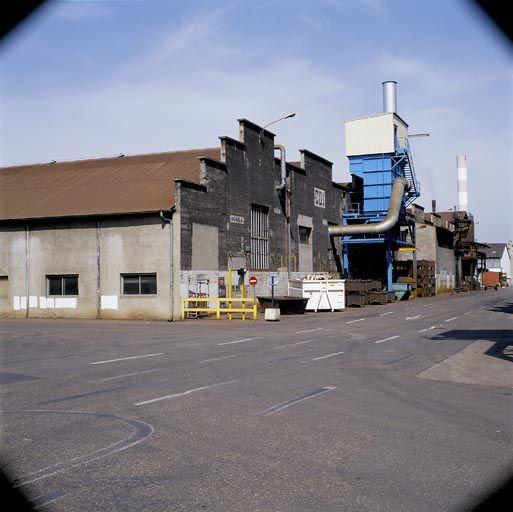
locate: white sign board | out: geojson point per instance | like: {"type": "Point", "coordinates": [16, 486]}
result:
{"type": "Point", "coordinates": [319, 197]}
{"type": "Point", "coordinates": [273, 280]}
{"type": "Point", "coordinates": [236, 219]}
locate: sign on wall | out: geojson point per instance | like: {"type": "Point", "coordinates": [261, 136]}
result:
{"type": "Point", "coordinates": [236, 219]}
{"type": "Point", "coordinates": [319, 197]}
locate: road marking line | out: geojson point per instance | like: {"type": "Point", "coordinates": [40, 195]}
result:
{"type": "Point", "coordinates": [322, 357]}
{"type": "Point", "coordinates": [127, 358]}
{"type": "Point", "coordinates": [428, 328]}
{"type": "Point", "coordinates": [309, 330]}
{"type": "Point", "coordinates": [357, 320]}
{"type": "Point", "coordinates": [387, 339]}
{"type": "Point", "coordinates": [283, 405]}
{"type": "Point", "coordinates": [185, 393]}
{"type": "Point", "coordinates": [135, 373]}
{"type": "Point", "coordinates": [468, 313]}
{"type": "Point", "coordinates": [451, 319]}
{"type": "Point", "coordinates": [413, 317]}
{"type": "Point", "coordinates": [238, 341]}
{"type": "Point", "coordinates": [281, 346]}
{"type": "Point", "coordinates": [301, 343]}
{"type": "Point", "coordinates": [389, 313]}
{"type": "Point", "coordinates": [218, 358]}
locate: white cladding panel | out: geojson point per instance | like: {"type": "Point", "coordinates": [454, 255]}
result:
{"type": "Point", "coordinates": [370, 135]}
{"type": "Point", "coordinates": [402, 128]}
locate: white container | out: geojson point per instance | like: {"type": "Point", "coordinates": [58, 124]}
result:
{"type": "Point", "coordinates": [272, 314]}
{"type": "Point", "coordinates": [323, 295]}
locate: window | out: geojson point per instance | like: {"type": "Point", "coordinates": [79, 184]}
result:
{"type": "Point", "coordinates": [4, 287]}
{"type": "Point", "coordinates": [139, 284]}
{"type": "Point", "coordinates": [304, 234]}
{"type": "Point", "coordinates": [62, 285]}
{"type": "Point", "coordinates": [259, 237]}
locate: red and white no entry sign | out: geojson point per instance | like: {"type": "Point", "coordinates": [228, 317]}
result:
{"type": "Point", "coordinates": [253, 281]}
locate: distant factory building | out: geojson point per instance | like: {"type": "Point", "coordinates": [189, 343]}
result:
{"type": "Point", "coordinates": [498, 260]}
{"type": "Point", "coordinates": [127, 237]}
{"type": "Point", "coordinates": [434, 242]}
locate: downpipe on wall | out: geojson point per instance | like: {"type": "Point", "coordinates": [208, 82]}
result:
{"type": "Point", "coordinates": [286, 194]}
{"type": "Point", "coordinates": [171, 265]}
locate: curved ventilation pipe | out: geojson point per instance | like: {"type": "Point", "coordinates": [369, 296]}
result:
{"type": "Point", "coordinates": [283, 166]}
{"type": "Point", "coordinates": [399, 187]}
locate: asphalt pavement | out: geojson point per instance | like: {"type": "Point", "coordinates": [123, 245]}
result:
{"type": "Point", "coordinates": [400, 407]}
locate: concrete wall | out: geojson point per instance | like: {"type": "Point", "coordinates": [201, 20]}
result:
{"type": "Point", "coordinates": [98, 252]}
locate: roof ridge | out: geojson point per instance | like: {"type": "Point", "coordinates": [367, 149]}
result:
{"type": "Point", "coordinates": [113, 157]}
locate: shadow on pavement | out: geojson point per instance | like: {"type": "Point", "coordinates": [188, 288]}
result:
{"type": "Point", "coordinates": [505, 308]}
{"type": "Point", "coordinates": [502, 339]}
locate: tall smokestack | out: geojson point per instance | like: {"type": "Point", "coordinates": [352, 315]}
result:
{"type": "Point", "coordinates": [389, 97]}
{"type": "Point", "coordinates": [461, 162]}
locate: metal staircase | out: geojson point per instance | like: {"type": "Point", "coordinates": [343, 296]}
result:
{"type": "Point", "coordinates": [403, 160]}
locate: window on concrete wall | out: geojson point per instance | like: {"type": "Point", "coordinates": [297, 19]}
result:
{"type": "Point", "coordinates": [62, 285]}
{"type": "Point", "coordinates": [305, 234]}
{"type": "Point", "coordinates": [259, 237]}
{"type": "Point", "coordinates": [4, 287]}
{"type": "Point", "coordinates": [139, 284]}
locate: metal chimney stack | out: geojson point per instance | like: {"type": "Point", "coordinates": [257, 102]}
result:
{"type": "Point", "coordinates": [389, 97]}
{"type": "Point", "coordinates": [461, 162]}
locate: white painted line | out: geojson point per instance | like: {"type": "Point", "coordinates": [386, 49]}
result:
{"type": "Point", "coordinates": [413, 317]}
{"type": "Point", "coordinates": [309, 330]}
{"type": "Point", "coordinates": [325, 357]}
{"type": "Point", "coordinates": [387, 339]}
{"type": "Point", "coordinates": [135, 373]}
{"type": "Point", "coordinates": [388, 313]}
{"type": "Point", "coordinates": [185, 393]}
{"type": "Point", "coordinates": [281, 346]}
{"type": "Point", "coordinates": [218, 358]}
{"type": "Point", "coordinates": [428, 328]}
{"type": "Point", "coordinates": [322, 357]}
{"type": "Point", "coordinates": [451, 319]}
{"type": "Point", "coordinates": [127, 358]}
{"type": "Point", "coordinates": [238, 341]}
{"type": "Point", "coordinates": [468, 313]}
{"type": "Point", "coordinates": [302, 342]}
{"type": "Point", "coordinates": [357, 320]}
{"type": "Point", "coordinates": [283, 405]}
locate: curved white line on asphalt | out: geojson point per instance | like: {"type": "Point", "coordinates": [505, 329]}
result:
{"type": "Point", "coordinates": [141, 432]}
{"type": "Point", "coordinates": [357, 320]}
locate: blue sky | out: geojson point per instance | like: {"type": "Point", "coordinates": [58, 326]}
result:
{"type": "Point", "coordinates": [85, 79]}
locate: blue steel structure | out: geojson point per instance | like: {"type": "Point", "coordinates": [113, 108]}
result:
{"type": "Point", "coordinates": [378, 173]}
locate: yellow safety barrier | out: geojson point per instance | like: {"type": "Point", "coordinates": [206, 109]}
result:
{"type": "Point", "coordinates": [220, 307]}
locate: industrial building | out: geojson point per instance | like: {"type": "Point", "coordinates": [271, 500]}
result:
{"type": "Point", "coordinates": [434, 241]}
{"type": "Point", "coordinates": [498, 259]}
{"type": "Point", "coordinates": [131, 236]}
{"type": "Point", "coordinates": [127, 237]}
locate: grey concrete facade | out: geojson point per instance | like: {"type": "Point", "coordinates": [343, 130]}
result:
{"type": "Point", "coordinates": [98, 252]}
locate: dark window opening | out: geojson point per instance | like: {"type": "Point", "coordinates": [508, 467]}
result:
{"type": "Point", "coordinates": [62, 285]}
{"type": "Point", "coordinates": [259, 237]}
{"type": "Point", "coordinates": [139, 284]}
{"type": "Point", "coordinates": [304, 234]}
{"type": "Point", "coordinates": [4, 287]}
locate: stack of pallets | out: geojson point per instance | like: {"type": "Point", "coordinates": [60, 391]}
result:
{"type": "Point", "coordinates": [361, 292]}
{"type": "Point", "coordinates": [426, 280]}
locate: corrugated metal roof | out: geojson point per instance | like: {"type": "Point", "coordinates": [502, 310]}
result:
{"type": "Point", "coordinates": [128, 184]}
